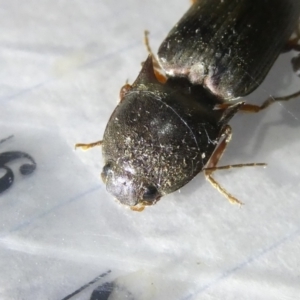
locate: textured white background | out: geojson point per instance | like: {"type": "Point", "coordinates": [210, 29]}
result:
{"type": "Point", "coordinates": [62, 64]}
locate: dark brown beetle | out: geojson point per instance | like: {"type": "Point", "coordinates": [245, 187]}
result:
{"type": "Point", "coordinates": [166, 130]}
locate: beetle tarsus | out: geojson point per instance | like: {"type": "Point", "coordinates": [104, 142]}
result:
{"type": "Point", "coordinates": [217, 186]}
{"type": "Point", "coordinates": [88, 146]}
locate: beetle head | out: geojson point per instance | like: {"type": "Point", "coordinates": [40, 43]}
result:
{"type": "Point", "coordinates": [128, 188]}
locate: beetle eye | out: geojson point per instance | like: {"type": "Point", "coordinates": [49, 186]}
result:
{"type": "Point", "coordinates": [106, 169]}
{"type": "Point", "coordinates": [151, 193]}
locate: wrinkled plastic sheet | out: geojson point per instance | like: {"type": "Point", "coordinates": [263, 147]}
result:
{"type": "Point", "coordinates": [64, 237]}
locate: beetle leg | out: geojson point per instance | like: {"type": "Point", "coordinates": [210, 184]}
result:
{"type": "Point", "coordinates": [252, 108]}
{"type": "Point", "coordinates": [256, 108]}
{"type": "Point", "coordinates": [148, 47]}
{"type": "Point", "coordinates": [124, 90]}
{"type": "Point", "coordinates": [137, 208]}
{"type": "Point", "coordinates": [216, 156]}
{"type": "Point", "coordinates": [213, 163]}
{"type": "Point", "coordinates": [221, 190]}
{"type": "Point", "coordinates": [88, 146]}
{"type": "Point", "coordinates": [158, 71]}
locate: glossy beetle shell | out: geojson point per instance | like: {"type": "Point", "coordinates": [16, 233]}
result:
{"type": "Point", "coordinates": [229, 46]}
{"type": "Point", "coordinates": [159, 137]}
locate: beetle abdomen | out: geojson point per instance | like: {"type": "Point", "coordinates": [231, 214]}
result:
{"type": "Point", "coordinates": [229, 46]}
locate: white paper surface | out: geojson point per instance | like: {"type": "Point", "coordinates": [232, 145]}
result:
{"type": "Point", "coordinates": [62, 66]}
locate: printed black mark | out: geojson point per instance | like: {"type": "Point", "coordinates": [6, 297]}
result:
{"type": "Point", "coordinates": [87, 285]}
{"type": "Point", "coordinates": [103, 291]}
{"type": "Point", "coordinates": [5, 157]}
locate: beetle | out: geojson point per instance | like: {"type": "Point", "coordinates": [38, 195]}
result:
{"type": "Point", "coordinates": [172, 122]}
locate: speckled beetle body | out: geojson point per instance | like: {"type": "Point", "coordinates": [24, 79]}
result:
{"type": "Point", "coordinates": [165, 131]}
{"type": "Point", "coordinates": [161, 141]}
